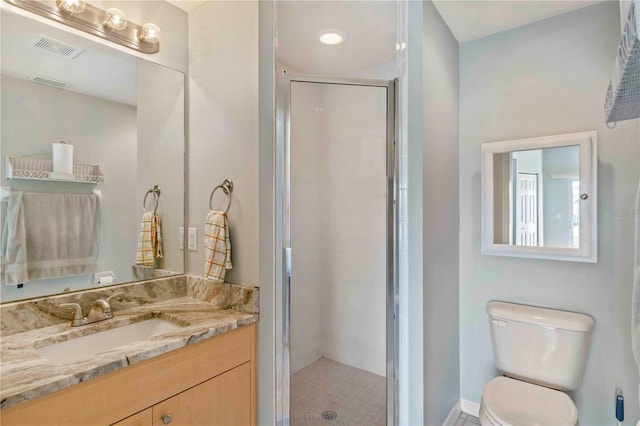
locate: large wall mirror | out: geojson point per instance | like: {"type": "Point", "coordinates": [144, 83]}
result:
{"type": "Point", "coordinates": [539, 197]}
{"type": "Point", "coordinates": [124, 114]}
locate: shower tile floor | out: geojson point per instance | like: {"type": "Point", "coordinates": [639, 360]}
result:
{"type": "Point", "coordinates": [356, 396]}
{"type": "Point", "coordinates": [467, 420]}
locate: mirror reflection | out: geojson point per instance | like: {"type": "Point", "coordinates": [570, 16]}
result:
{"type": "Point", "coordinates": [537, 197]}
{"type": "Point", "coordinates": [123, 119]}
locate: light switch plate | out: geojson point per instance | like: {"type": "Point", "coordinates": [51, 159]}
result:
{"type": "Point", "coordinates": [181, 232]}
{"type": "Point", "coordinates": [192, 242]}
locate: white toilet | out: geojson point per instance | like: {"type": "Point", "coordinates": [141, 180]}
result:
{"type": "Point", "coordinates": [541, 352]}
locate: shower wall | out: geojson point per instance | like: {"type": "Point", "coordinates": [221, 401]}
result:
{"type": "Point", "coordinates": [338, 225]}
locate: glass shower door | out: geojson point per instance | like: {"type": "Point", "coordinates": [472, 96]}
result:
{"type": "Point", "coordinates": [341, 234]}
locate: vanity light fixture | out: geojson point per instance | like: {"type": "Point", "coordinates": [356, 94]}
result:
{"type": "Point", "coordinates": [331, 37]}
{"type": "Point", "coordinates": [111, 24]}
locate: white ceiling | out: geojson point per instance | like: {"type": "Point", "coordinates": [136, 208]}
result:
{"type": "Point", "coordinates": [98, 71]}
{"type": "Point", "coordinates": [470, 20]}
{"type": "Point", "coordinates": [370, 27]}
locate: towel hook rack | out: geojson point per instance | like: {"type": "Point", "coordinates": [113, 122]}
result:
{"type": "Point", "coordinates": [227, 188]}
{"type": "Point", "coordinates": [155, 191]}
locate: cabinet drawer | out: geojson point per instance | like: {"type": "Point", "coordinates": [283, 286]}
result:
{"type": "Point", "coordinates": [222, 401]}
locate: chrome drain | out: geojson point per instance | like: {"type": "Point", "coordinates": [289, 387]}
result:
{"type": "Point", "coordinates": [329, 415]}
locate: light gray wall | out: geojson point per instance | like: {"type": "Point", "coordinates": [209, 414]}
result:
{"type": "Point", "coordinates": [550, 77]}
{"type": "Point", "coordinates": [441, 217]}
{"type": "Point", "coordinates": [33, 117]}
{"type": "Point", "coordinates": [223, 128]}
{"type": "Point", "coordinates": [410, 64]}
{"type": "Point", "coordinates": [161, 148]}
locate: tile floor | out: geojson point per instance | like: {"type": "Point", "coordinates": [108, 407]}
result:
{"type": "Point", "coordinates": [465, 419]}
{"type": "Point", "coordinates": [356, 396]}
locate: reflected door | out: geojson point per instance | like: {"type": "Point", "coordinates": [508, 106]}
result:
{"type": "Point", "coordinates": [527, 209]}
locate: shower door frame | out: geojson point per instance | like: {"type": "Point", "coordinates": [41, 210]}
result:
{"type": "Point", "coordinates": [284, 253]}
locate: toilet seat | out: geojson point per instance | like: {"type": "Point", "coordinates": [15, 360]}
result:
{"type": "Point", "coordinates": [507, 401]}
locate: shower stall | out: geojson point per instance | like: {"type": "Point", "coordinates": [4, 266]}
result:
{"type": "Point", "coordinates": [339, 238]}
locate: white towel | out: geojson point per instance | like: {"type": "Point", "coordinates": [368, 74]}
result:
{"type": "Point", "coordinates": [217, 246]}
{"type": "Point", "coordinates": [51, 236]}
{"type": "Point", "coordinates": [635, 299]}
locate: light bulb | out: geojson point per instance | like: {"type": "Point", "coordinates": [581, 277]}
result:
{"type": "Point", "coordinates": [115, 19]}
{"type": "Point", "coordinates": [149, 33]}
{"type": "Point", "coordinates": [71, 6]}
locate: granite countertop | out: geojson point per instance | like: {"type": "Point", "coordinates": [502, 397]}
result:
{"type": "Point", "coordinates": [25, 374]}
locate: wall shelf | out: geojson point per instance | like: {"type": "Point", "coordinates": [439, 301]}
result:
{"type": "Point", "coordinates": [40, 167]}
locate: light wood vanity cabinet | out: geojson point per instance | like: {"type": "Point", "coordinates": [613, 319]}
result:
{"type": "Point", "coordinates": [210, 383]}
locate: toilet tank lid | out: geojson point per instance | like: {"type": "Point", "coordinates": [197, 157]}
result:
{"type": "Point", "coordinates": [541, 316]}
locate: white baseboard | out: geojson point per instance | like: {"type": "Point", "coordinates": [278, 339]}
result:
{"type": "Point", "coordinates": [470, 407]}
{"type": "Point", "coordinates": [453, 415]}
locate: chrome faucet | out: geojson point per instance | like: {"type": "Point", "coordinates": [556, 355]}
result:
{"type": "Point", "coordinates": [100, 311]}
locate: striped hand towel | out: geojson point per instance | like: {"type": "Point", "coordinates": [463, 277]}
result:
{"type": "Point", "coordinates": [217, 246]}
{"type": "Point", "coordinates": [149, 240]}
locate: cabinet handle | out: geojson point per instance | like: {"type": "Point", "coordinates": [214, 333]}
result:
{"type": "Point", "coordinates": [166, 419]}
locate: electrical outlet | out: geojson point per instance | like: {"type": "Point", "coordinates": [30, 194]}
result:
{"type": "Point", "coordinates": [181, 232]}
{"type": "Point", "coordinates": [192, 243]}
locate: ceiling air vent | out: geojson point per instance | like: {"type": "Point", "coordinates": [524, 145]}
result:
{"type": "Point", "coordinates": [57, 47]}
{"type": "Point", "coordinates": [49, 82]}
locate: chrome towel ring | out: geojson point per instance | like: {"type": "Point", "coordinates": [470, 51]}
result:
{"type": "Point", "coordinates": [156, 195]}
{"type": "Point", "coordinates": [227, 188]}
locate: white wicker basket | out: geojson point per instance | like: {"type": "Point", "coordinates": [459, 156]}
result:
{"type": "Point", "coordinates": [623, 95]}
{"type": "Point", "coordinates": [40, 167]}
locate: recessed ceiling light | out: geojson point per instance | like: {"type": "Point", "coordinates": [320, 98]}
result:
{"type": "Point", "coordinates": [331, 36]}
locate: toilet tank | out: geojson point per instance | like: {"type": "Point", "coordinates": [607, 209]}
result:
{"type": "Point", "coordinates": [539, 345]}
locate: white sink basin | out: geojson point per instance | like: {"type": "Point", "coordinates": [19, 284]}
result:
{"type": "Point", "coordinates": [86, 346]}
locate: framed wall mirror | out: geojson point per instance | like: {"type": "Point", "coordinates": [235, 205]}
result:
{"type": "Point", "coordinates": [539, 197]}
{"type": "Point", "coordinates": [122, 113]}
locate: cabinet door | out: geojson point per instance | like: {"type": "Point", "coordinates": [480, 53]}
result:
{"type": "Point", "coordinates": [224, 400]}
{"type": "Point", "coordinates": [143, 418]}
